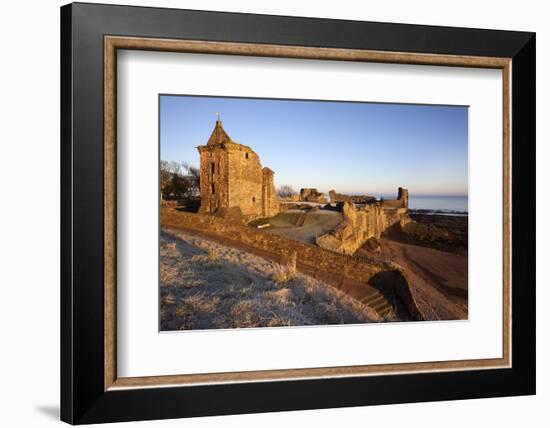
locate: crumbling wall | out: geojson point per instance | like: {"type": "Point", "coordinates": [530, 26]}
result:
{"type": "Point", "coordinates": [308, 254]}
{"type": "Point", "coordinates": [270, 206]}
{"type": "Point", "coordinates": [312, 195]}
{"type": "Point", "coordinates": [214, 180]}
{"type": "Point", "coordinates": [402, 200]}
{"type": "Point", "coordinates": [245, 181]}
{"type": "Point", "coordinates": [362, 223]}
{"type": "Point", "coordinates": [403, 195]}
{"type": "Point", "coordinates": [336, 198]}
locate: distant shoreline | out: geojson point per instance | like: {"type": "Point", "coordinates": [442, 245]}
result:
{"type": "Point", "coordinates": [439, 212]}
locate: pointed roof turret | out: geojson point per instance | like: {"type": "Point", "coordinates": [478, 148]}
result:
{"type": "Point", "coordinates": [219, 136]}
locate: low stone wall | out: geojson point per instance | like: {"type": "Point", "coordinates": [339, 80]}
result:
{"type": "Point", "coordinates": [391, 203]}
{"type": "Point", "coordinates": [313, 258]}
{"type": "Point", "coordinates": [336, 198]}
{"type": "Point", "coordinates": [361, 224]}
{"type": "Point", "coordinates": [307, 254]}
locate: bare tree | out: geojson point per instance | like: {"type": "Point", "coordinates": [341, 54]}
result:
{"type": "Point", "coordinates": [179, 180]}
{"type": "Point", "coordinates": [175, 168]}
{"type": "Point", "coordinates": [286, 191]}
{"type": "Point", "coordinates": [165, 176]}
{"type": "Point", "coordinates": [194, 175]}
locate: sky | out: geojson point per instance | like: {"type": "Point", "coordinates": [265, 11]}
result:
{"type": "Point", "coordinates": [351, 147]}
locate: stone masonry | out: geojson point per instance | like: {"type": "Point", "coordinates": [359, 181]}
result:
{"type": "Point", "coordinates": [336, 198]}
{"type": "Point", "coordinates": [232, 179]}
{"type": "Point", "coordinates": [312, 195]}
{"type": "Point", "coordinates": [364, 222]}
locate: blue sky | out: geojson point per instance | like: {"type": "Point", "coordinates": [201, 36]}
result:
{"type": "Point", "coordinates": [350, 147]}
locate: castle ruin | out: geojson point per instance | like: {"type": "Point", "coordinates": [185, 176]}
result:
{"type": "Point", "coordinates": [365, 221]}
{"type": "Point", "coordinates": [234, 185]}
{"type": "Point", "coordinates": [338, 198]}
{"type": "Point", "coordinates": [312, 195]}
{"type": "Point", "coordinates": [232, 179]}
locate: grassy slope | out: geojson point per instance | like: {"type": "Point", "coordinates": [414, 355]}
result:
{"type": "Point", "coordinates": [304, 226]}
{"type": "Point", "coordinates": [207, 285]}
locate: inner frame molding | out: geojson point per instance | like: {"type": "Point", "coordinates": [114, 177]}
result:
{"type": "Point", "coordinates": [113, 43]}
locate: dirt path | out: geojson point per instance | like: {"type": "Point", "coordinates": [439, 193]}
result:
{"type": "Point", "coordinates": [438, 279]}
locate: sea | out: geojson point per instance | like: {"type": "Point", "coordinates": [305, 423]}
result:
{"type": "Point", "coordinates": [448, 205]}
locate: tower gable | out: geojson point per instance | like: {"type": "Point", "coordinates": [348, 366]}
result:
{"type": "Point", "coordinates": [219, 136]}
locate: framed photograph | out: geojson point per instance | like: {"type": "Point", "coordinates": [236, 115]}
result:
{"type": "Point", "coordinates": [265, 213]}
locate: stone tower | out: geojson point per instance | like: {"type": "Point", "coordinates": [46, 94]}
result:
{"type": "Point", "coordinates": [232, 176]}
{"type": "Point", "coordinates": [403, 196]}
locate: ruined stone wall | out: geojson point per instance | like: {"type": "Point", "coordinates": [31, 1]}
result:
{"type": "Point", "coordinates": [402, 200]}
{"type": "Point", "coordinates": [232, 176]}
{"type": "Point", "coordinates": [362, 223]}
{"type": "Point", "coordinates": [307, 254]}
{"type": "Point", "coordinates": [403, 195]}
{"type": "Point", "coordinates": [336, 198]}
{"type": "Point", "coordinates": [214, 181]}
{"type": "Point", "coordinates": [391, 203]}
{"type": "Point", "coordinates": [312, 195]}
{"type": "Point", "coordinates": [245, 181]}
{"type": "Point", "coordinates": [270, 206]}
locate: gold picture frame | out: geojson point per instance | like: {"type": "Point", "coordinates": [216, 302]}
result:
{"type": "Point", "coordinates": [114, 43]}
